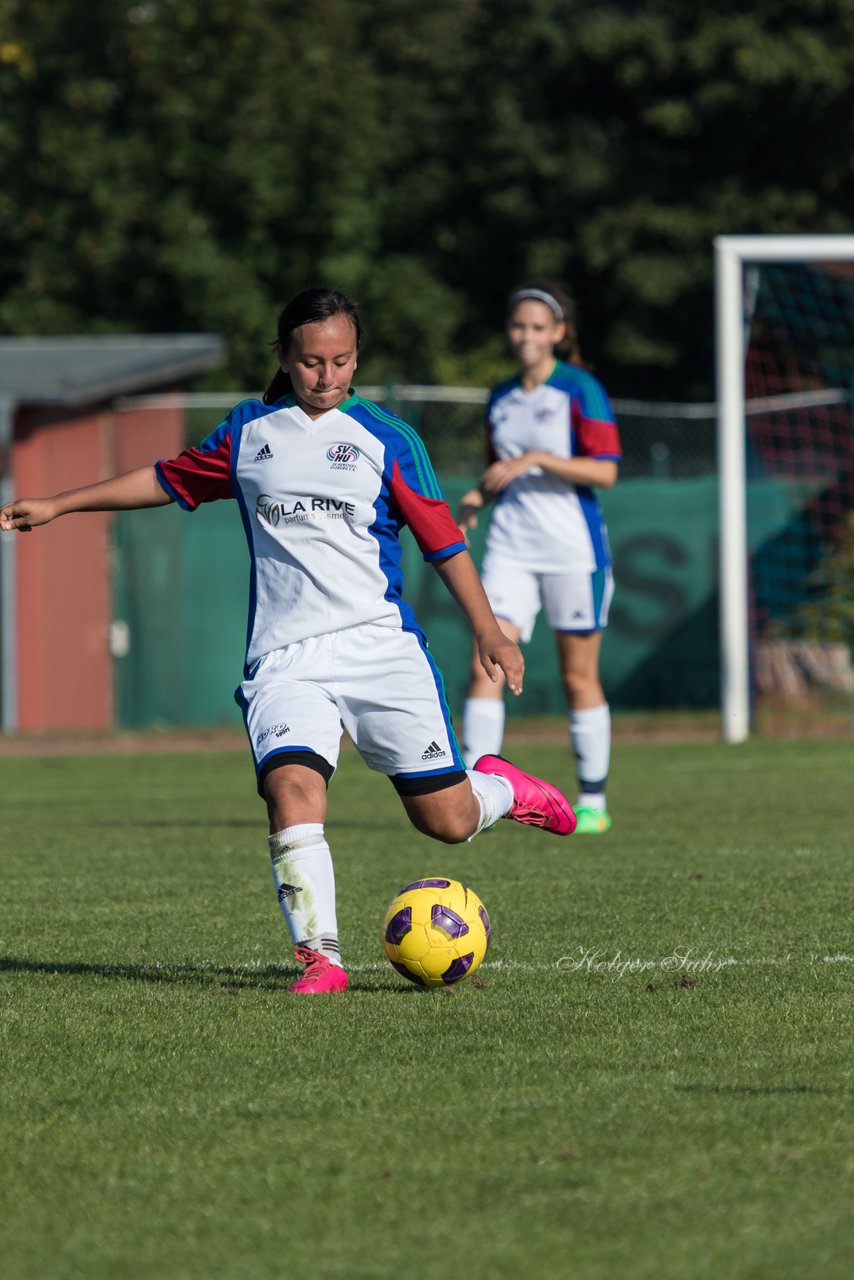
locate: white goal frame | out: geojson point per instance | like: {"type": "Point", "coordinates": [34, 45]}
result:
{"type": "Point", "coordinates": [732, 253]}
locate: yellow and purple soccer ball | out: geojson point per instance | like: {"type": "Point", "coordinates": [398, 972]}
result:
{"type": "Point", "coordinates": [436, 932]}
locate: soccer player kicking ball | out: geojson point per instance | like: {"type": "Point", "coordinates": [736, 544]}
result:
{"type": "Point", "coordinates": [325, 481]}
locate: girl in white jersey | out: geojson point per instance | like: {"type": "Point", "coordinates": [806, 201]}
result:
{"type": "Point", "coordinates": [552, 440]}
{"type": "Point", "coordinates": [325, 481]}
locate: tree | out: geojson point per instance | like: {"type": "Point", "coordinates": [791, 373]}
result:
{"type": "Point", "coordinates": [169, 166]}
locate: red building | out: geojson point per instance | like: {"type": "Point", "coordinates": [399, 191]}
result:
{"type": "Point", "coordinates": [61, 426]}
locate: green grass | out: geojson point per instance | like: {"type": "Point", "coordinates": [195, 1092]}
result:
{"type": "Point", "coordinates": [649, 1078]}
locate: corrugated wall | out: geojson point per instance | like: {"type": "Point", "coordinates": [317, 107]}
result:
{"type": "Point", "coordinates": [61, 584]}
{"type": "Point", "coordinates": [63, 571]}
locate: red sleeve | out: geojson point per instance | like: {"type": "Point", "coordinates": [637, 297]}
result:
{"type": "Point", "coordinates": [595, 438]}
{"type": "Point", "coordinates": [434, 528]}
{"type": "Point", "coordinates": [198, 475]}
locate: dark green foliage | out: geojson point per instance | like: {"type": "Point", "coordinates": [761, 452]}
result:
{"type": "Point", "coordinates": [174, 166]}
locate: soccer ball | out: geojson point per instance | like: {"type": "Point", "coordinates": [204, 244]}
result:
{"type": "Point", "coordinates": [436, 932]}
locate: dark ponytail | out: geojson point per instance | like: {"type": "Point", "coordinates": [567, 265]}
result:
{"type": "Point", "coordinates": [280, 387]}
{"type": "Point", "coordinates": [308, 307]}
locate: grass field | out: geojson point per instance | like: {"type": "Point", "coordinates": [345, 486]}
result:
{"type": "Point", "coordinates": [650, 1077]}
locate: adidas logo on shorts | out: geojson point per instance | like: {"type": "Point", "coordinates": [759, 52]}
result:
{"type": "Point", "coordinates": [433, 752]}
{"type": "Point", "coordinates": [263, 454]}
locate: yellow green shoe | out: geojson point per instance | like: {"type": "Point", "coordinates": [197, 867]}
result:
{"type": "Point", "coordinates": [592, 822]}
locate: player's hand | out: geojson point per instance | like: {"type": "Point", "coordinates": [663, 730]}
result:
{"type": "Point", "coordinates": [498, 652]}
{"type": "Point", "coordinates": [471, 505]}
{"type": "Point", "coordinates": [497, 476]}
{"type": "Point", "coordinates": [25, 514]}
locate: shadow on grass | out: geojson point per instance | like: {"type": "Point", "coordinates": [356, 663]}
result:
{"type": "Point", "coordinates": [749, 1090]}
{"type": "Point", "coordinates": [244, 824]}
{"type": "Point", "coordinates": [165, 823]}
{"type": "Point", "coordinates": [229, 980]}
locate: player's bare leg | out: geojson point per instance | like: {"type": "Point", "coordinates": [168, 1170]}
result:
{"type": "Point", "coordinates": [589, 725]}
{"type": "Point", "coordinates": [483, 712]}
{"type": "Point", "coordinates": [494, 789]}
{"type": "Point", "coordinates": [294, 794]}
{"type": "Point", "coordinates": [578, 655]}
{"type": "Point", "coordinates": [450, 815]}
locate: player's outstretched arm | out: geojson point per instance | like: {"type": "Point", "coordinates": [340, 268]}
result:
{"type": "Point", "coordinates": [127, 492]}
{"type": "Point", "coordinates": [495, 649]}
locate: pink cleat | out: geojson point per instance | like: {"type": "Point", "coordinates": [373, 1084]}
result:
{"type": "Point", "coordinates": [320, 976]}
{"type": "Point", "coordinates": [535, 802]}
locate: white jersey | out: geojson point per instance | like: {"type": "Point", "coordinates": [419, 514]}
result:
{"type": "Point", "coordinates": [540, 522]}
{"type": "Point", "coordinates": [323, 501]}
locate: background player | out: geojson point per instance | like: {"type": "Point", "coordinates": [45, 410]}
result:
{"type": "Point", "coordinates": [551, 439]}
{"type": "Point", "coordinates": [325, 481]}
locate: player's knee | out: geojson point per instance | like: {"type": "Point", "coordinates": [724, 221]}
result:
{"type": "Point", "coordinates": [480, 685]}
{"type": "Point", "coordinates": [446, 826]}
{"type": "Point", "coordinates": [573, 687]}
{"type": "Point", "coordinates": [451, 833]}
{"type": "Point", "coordinates": [579, 686]}
{"type": "Point", "coordinates": [477, 678]}
{"type": "Point", "coordinates": [294, 795]}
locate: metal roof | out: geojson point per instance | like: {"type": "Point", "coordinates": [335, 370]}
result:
{"type": "Point", "coordinates": [86, 369]}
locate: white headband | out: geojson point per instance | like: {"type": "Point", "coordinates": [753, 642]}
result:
{"type": "Point", "coordinates": [539, 295]}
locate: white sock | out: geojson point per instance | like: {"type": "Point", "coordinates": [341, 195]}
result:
{"type": "Point", "coordinates": [494, 795]}
{"type": "Point", "coordinates": [590, 734]}
{"type": "Point", "coordinates": [305, 884]}
{"type": "Point", "coordinates": [483, 728]}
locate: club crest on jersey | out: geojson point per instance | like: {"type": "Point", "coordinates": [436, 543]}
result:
{"type": "Point", "coordinates": [343, 456]}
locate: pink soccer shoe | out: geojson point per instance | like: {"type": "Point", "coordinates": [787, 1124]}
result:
{"type": "Point", "coordinates": [320, 976]}
{"type": "Point", "coordinates": [535, 802]}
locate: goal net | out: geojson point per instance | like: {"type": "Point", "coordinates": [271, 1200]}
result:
{"type": "Point", "coordinates": [797, 394]}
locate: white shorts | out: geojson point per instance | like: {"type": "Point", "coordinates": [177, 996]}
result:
{"type": "Point", "coordinates": [378, 683]}
{"type": "Point", "coordinates": [572, 601]}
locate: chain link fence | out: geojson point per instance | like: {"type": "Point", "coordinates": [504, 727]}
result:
{"type": "Point", "coordinates": [660, 440]}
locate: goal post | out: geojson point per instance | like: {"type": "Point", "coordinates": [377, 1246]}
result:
{"type": "Point", "coordinates": [733, 254]}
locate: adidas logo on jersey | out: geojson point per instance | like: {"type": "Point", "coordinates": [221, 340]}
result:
{"type": "Point", "coordinates": [263, 454]}
{"type": "Point", "coordinates": [433, 752]}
